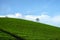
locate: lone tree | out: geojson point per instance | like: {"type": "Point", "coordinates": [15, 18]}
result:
{"type": "Point", "coordinates": [37, 19]}
{"type": "Point", "coordinates": [6, 16]}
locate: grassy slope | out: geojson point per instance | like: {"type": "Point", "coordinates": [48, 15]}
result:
{"type": "Point", "coordinates": [30, 30]}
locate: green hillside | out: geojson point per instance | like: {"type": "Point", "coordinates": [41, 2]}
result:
{"type": "Point", "coordinates": [28, 30]}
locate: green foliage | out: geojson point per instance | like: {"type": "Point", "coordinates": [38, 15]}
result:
{"type": "Point", "coordinates": [30, 30]}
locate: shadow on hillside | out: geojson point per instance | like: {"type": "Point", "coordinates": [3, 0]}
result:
{"type": "Point", "coordinates": [13, 35]}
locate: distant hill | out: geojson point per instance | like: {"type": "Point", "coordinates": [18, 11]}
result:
{"type": "Point", "coordinates": [28, 30]}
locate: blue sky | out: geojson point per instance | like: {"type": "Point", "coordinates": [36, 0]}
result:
{"type": "Point", "coordinates": [35, 7]}
{"type": "Point", "coordinates": [32, 8]}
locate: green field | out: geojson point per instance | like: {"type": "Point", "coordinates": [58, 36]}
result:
{"type": "Point", "coordinates": [28, 30]}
